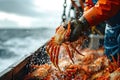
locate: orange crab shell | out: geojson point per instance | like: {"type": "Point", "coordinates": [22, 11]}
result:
{"type": "Point", "coordinates": [62, 34]}
{"type": "Point", "coordinates": [40, 72]}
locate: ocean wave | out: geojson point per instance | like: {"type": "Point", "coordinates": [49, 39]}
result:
{"type": "Point", "coordinates": [6, 54]}
{"type": "Point", "coordinates": [15, 43]}
{"type": "Point", "coordinates": [23, 45]}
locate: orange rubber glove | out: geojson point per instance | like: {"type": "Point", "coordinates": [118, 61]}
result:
{"type": "Point", "coordinates": [103, 10]}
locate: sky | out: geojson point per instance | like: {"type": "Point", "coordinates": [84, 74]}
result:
{"type": "Point", "coordinates": [31, 13]}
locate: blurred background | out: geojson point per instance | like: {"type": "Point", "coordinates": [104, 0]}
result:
{"type": "Point", "coordinates": [25, 25]}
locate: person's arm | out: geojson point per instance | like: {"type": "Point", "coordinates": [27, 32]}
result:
{"type": "Point", "coordinates": [103, 10]}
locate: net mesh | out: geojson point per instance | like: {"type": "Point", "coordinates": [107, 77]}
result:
{"type": "Point", "coordinates": [39, 57]}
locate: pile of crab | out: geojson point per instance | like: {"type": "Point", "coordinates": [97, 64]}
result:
{"type": "Point", "coordinates": [69, 61]}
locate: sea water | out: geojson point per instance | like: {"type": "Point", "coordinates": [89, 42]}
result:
{"type": "Point", "coordinates": [16, 43]}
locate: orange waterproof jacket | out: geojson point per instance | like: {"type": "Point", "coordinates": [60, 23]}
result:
{"type": "Point", "coordinates": [102, 10]}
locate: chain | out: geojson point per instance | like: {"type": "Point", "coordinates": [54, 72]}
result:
{"type": "Point", "coordinates": [64, 11]}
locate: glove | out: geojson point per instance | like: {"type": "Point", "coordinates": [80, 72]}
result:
{"type": "Point", "coordinates": [78, 27]}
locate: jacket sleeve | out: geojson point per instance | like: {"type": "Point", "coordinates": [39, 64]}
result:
{"type": "Point", "coordinates": [88, 4]}
{"type": "Point", "coordinates": [102, 10]}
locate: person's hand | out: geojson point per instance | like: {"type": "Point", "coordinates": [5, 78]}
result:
{"type": "Point", "coordinates": [78, 27]}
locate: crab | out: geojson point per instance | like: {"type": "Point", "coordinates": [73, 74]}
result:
{"type": "Point", "coordinates": [61, 39]}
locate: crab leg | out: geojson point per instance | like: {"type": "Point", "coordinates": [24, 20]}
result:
{"type": "Point", "coordinates": [48, 47]}
{"type": "Point", "coordinates": [57, 56]}
{"type": "Point", "coordinates": [49, 44]}
{"type": "Point", "coordinates": [68, 50]}
{"type": "Point", "coordinates": [75, 49]}
{"type": "Point", "coordinates": [53, 54]}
